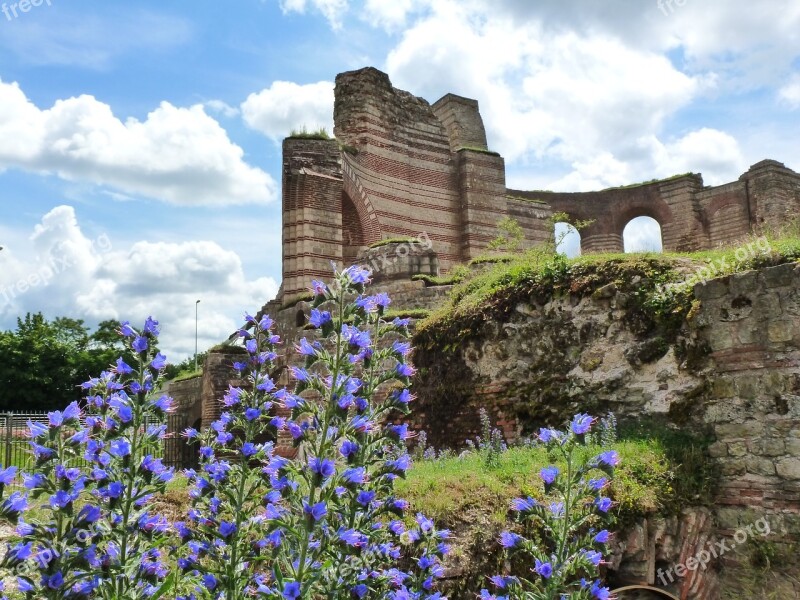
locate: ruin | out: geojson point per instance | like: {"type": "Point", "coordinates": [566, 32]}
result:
{"type": "Point", "coordinates": [412, 188]}
{"type": "Point", "coordinates": [400, 167]}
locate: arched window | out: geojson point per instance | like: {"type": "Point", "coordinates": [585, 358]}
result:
{"type": "Point", "coordinates": [642, 234]}
{"type": "Point", "coordinates": [568, 240]}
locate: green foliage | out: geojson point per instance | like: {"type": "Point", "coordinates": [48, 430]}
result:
{"type": "Point", "coordinates": [185, 369]}
{"type": "Point", "coordinates": [479, 150]}
{"type": "Point", "coordinates": [445, 488]}
{"type": "Point", "coordinates": [393, 240]}
{"type": "Point", "coordinates": [410, 313]}
{"type": "Point", "coordinates": [485, 259]}
{"type": "Point", "coordinates": [297, 299]}
{"type": "Point", "coordinates": [305, 134]}
{"type": "Point", "coordinates": [457, 274]}
{"type": "Point", "coordinates": [43, 362]}
{"type": "Point", "coordinates": [695, 475]}
{"type": "Point", "coordinates": [510, 236]}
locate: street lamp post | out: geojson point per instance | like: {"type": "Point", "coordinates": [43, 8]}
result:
{"type": "Point", "coordinates": [195, 334]}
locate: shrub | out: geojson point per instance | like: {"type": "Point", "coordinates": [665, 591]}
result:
{"type": "Point", "coordinates": [566, 562]}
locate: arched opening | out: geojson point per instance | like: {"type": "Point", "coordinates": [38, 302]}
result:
{"type": "Point", "coordinates": [568, 240]}
{"type": "Point", "coordinates": [352, 231]}
{"type": "Point", "coordinates": [642, 234]}
{"type": "Point", "coordinates": [300, 318]}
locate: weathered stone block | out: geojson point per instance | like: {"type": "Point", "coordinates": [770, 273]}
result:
{"type": "Point", "coordinates": [760, 466]}
{"type": "Point", "coordinates": [788, 468]}
{"type": "Point", "coordinates": [779, 276]}
{"type": "Point", "coordinates": [780, 331]}
{"type": "Point", "coordinates": [730, 431]}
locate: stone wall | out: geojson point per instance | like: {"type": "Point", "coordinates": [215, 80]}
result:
{"type": "Point", "coordinates": [732, 370]}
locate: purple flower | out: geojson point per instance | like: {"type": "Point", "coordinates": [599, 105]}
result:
{"type": "Point", "coordinates": [593, 556]}
{"type": "Point", "coordinates": [523, 504]}
{"type": "Point", "coordinates": [226, 529]}
{"type": "Point", "coordinates": [602, 537]}
{"type": "Point", "coordinates": [123, 368]}
{"type": "Point", "coordinates": [305, 348]}
{"type": "Point", "coordinates": [405, 370]}
{"type": "Point", "coordinates": [322, 467]}
{"type": "Point", "coordinates": [610, 458]}
{"type": "Point", "coordinates": [545, 569]}
{"type": "Point", "coordinates": [140, 344]}
{"type": "Point", "coordinates": [159, 362]}
{"type": "Point", "coordinates": [291, 591]}
{"type": "Point", "coordinates": [598, 484]}
{"type": "Point", "coordinates": [509, 540]}
{"type": "Point", "coordinates": [603, 504]}
{"type": "Point", "coordinates": [316, 511]}
{"type": "Point", "coordinates": [151, 326]}
{"type": "Point", "coordinates": [581, 424]}
{"type": "Point", "coordinates": [126, 330]}
{"type": "Point", "coordinates": [318, 318]}
{"type": "Point", "coordinates": [7, 475]}
{"type": "Point", "coordinates": [120, 447]}
{"type": "Point", "coordinates": [357, 274]}
{"type": "Point", "coordinates": [549, 474]}
{"type": "Point", "coordinates": [349, 448]}
{"type": "Point", "coordinates": [318, 288]}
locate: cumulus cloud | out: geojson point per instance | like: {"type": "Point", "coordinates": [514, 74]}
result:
{"type": "Point", "coordinates": [286, 106]}
{"type": "Point", "coordinates": [177, 155]}
{"type": "Point", "coordinates": [332, 10]}
{"type": "Point", "coordinates": [77, 276]}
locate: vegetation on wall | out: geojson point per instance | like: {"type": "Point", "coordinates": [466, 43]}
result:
{"type": "Point", "coordinates": [305, 134]}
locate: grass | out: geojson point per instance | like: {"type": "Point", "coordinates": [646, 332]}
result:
{"type": "Point", "coordinates": [541, 274]}
{"type": "Point", "coordinates": [304, 134]}
{"type": "Point", "coordinates": [184, 375]}
{"type": "Point", "coordinates": [644, 484]}
{"type": "Point", "coordinates": [479, 150]}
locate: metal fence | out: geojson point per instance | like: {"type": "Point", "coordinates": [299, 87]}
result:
{"type": "Point", "coordinates": [15, 448]}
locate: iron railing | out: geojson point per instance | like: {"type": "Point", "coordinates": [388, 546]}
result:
{"type": "Point", "coordinates": [15, 448]}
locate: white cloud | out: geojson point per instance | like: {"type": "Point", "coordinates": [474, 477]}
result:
{"type": "Point", "coordinates": [790, 93]}
{"type": "Point", "coordinates": [223, 108]}
{"type": "Point", "coordinates": [92, 279]}
{"type": "Point", "coordinates": [332, 10]}
{"type": "Point", "coordinates": [286, 106]}
{"type": "Point", "coordinates": [390, 15]}
{"type": "Point", "coordinates": [177, 155]}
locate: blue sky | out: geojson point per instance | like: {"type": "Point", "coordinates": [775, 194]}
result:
{"type": "Point", "coordinates": [140, 142]}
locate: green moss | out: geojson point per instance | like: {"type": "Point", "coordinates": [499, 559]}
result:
{"type": "Point", "coordinates": [479, 150]}
{"type": "Point", "coordinates": [485, 259]}
{"type": "Point", "coordinates": [295, 300]}
{"type": "Point", "coordinates": [187, 375]}
{"type": "Point", "coordinates": [394, 240]}
{"type": "Point", "coordinates": [456, 274]}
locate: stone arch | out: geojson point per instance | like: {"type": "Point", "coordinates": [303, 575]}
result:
{"type": "Point", "coordinates": [353, 235]}
{"type": "Point", "coordinates": [654, 592]}
{"type": "Point", "coordinates": [568, 239]}
{"type": "Point", "coordinates": [355, 196]}
{"type": "Point", "coordinates": [653, 229]}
